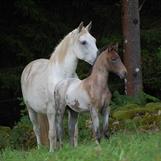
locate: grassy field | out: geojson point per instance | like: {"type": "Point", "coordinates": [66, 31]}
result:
{"type": "Point", "coordinates": [123, 146]}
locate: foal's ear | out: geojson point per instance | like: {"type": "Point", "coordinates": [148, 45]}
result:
{"type": "Point", "coordinates": [80, 26]}
{"type": "Point", "coordinates": [115, 47]}
{"type": "Point", "coordinates": [89, 26]}
{"type": "Point", "coordinates": [110, 48]}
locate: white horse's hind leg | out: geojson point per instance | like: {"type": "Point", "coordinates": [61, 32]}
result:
{"type": "Point", "coordinates": [52, 131]}
{"type": "Point", "coordinates": [36, 127]}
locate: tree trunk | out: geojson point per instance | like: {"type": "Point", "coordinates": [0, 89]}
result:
{"type": "Point", "coordinates": [132, 56]}
{"type": "Point", "coordinates": [44, 128]}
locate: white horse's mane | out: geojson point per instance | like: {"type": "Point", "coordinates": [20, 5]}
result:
{"type": "Point", "coordinates": [60, 49]}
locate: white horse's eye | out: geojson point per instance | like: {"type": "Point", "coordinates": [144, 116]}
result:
{"type": "Point", "coordinates": [84, 42]}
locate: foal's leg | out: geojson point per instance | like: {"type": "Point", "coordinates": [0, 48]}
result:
{"type": "Point", "coordinates": [60, 109]}
{"type": "Point", "coordinates": [105, 114]}
{"type": "Point", "coordinates": [73, 127]}
{"type": "Point", "coordinates": [59, 122]}
{"type": "Point", "coordinates": [95, 121]}
{"type": "Point", "coordinates": [36, 126]}
{"type": "Point", "coordinates": [52, 130]}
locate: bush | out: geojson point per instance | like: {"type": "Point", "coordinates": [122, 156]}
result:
{"type": "Point", "coordinates": [22, 135]}
{"type": "Point", "coordinates": [151, 53]}
{"type": "Point", "coordinates": [4, 137]}
{"type": "Point", "coordinates": [141, 98]}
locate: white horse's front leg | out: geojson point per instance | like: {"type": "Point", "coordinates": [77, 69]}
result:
{"type": "Point", "coordinates": [52, 131]}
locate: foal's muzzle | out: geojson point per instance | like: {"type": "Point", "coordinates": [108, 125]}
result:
{"type": "Point", "coordinates": [123, 74]}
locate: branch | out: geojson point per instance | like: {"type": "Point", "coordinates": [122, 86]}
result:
{"type": "Point", "coordinates": [140, 7]}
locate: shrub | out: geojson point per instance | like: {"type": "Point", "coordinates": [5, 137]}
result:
{"type": "Point", "coordinates": [4, 137]}
{"type": "Point", "coordinates": [22, 135]}
{"type": "Point", "coordinates": [141, 98]}
{"type": "Point", "coordinates": [151, 53]}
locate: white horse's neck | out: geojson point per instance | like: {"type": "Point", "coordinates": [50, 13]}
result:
{"type": "Point", "coordinates": [64, 61]}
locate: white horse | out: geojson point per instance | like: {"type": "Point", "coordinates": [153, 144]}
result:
{"type": "Point", "coordinates": [40, 77]}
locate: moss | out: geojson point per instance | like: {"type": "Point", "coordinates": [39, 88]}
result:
{"type": "Point", "coordinates": [5, 129]}
{"type": "Point", "coordinates": [153, 105]}
{"type": "Point", "coordinates": [134, 117]}
{"type": "Point", "coordinates": [128, 114]}
{"type": "Point", "coordinates": [151, 119]}
{"type": "Point", "coordinates": [122, 115]}
{"type": "Point", "coordinates": [132, 110]}
{"type": "Point", "coordinates": [128, 107]}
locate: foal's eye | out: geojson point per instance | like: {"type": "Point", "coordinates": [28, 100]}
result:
{"type": "Point", "coordinates": [114, 60]}
{"type": "Point", "coordinates": [84, 42]}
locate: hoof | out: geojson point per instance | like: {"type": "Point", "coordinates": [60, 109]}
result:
{"type": "Point", "coordinates": [98, 141]}
{"type": "Point", "coordinates": [107, 135]}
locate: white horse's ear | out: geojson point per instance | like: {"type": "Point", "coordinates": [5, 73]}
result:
{"type": "Point", "coordinates": [88, 27]}
{"type": "Point", "coordinates": [80, 26]}
{"type": "Point", "coordinates": [110, 47]}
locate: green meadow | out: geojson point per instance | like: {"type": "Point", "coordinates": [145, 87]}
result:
{"type": "Point", "coordinates": [122, 146]}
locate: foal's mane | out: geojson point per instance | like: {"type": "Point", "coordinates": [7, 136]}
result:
{"type": "Point", "coordinates": [109, 47]}
{"type": "Point", "coordinates": [102, 50]}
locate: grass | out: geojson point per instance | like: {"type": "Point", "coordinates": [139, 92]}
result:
{"type": "Point", "coordinates": [123, 146]}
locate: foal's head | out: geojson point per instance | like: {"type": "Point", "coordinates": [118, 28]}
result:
{"type": "Point", "coordinates": [113, 62]}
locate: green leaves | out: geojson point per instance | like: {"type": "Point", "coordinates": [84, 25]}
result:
{"type": "Point", "coordinates": [28, 8]}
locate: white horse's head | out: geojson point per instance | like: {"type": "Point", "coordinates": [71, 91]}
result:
{"type": "Point", "coordinates": [85, 44]}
